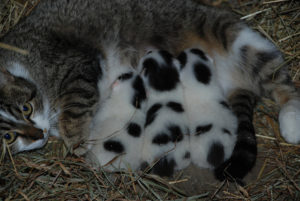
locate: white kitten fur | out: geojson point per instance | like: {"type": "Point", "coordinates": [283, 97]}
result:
{"type": "Point", "coordinates": [202, 104]}
{"type": "Point", "coordinates": [111, 121]}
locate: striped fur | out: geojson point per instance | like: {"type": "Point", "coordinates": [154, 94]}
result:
{"type": "Point", "coordinates": [244, 154]}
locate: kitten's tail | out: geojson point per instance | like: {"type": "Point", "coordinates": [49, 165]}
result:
{"type": "Point", "coordinates": [244, 154]}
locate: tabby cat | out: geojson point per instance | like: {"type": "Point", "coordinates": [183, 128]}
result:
{"type": "Point", "coordinates": [53, 89]}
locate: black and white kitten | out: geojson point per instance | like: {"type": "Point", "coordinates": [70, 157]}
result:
{"type": "Point", "coordinates": [166, 138]}
{"type": "Point", "coordinates": [212, 124]}
{"type": "Point", "coordinates": [117, 130]}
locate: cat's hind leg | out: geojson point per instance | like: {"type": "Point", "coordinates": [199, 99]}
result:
{"type": "Point", "coordinates": [245, 61]}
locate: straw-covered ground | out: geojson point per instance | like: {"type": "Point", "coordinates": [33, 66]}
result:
{"type": "Point", "coordinates": [53, 174]}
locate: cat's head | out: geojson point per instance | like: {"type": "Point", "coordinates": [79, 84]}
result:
{"type": "Point", "coordinates": [24, 112]}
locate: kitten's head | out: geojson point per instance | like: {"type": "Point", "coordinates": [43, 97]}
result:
{"type": "Point", "coordinates": [129, 88]}
{"type": "Point", "coordinates": [24, 112]}
{"type": "Point", "coordinates": [160, 70]}
{"type": "Point", "coordinates": [196, 68]}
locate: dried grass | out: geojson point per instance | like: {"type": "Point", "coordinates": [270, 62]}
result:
{"type": "Point", "coordinates": [53, 174]}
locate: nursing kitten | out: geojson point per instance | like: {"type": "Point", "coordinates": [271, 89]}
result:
{"type": "Point", "coordinates": [116, 137]}
{"type": "Point", "coordinates": [212, 124]}
{"type": "Point", "coordinates": [56, 31]}
{"type": "Point", "coordinates": [166, 134]}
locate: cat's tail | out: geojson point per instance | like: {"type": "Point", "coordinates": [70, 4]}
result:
{"type": "Point", "coordinates": [244, 154]}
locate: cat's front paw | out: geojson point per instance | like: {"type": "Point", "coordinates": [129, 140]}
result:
{"type": "Point", "coordinates": [289, 120]}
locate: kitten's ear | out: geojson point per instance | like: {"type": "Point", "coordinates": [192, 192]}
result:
{"type": "Point", "coordinates": [5, 76]}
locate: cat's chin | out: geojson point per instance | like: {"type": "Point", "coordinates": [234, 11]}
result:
{"type": "Point", "coordinates": [21, 145]}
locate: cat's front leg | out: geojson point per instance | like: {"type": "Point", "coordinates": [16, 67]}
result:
{"type": "Point", "coordinates": [78, 98]}
{"type": "Point", "coordinates": [74, 128]}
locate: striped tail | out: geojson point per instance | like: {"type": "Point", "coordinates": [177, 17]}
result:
{"type": "Point", "coordinates": [244, 154]}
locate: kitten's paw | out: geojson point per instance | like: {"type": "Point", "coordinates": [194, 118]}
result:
{"type": "Point", "coordinates": [289, 120]}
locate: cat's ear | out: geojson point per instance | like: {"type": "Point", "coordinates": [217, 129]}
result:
{"type": "Point", "coordinates": [5, 76]}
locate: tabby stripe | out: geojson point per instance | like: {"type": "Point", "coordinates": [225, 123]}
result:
{"type": "Point", "coordinates": [75, 115]}
{"type": "Point", "coordinates": [244, 115]}
{"type": "Point", "coordinates": [33, 94]}
{"type": "Point", "coordinates": [245, 126]}
{"type": "Point", "coordinates": [12, 112]}
{"type": "Point", "coordinates": [77, 105]}
{"type": "Point", "coordinates": [82, 78]}
{"type": "Point", "coordinates": [244, 99]}
{"type": "Point", "coordinates": [11, 124]}
{"type": "Point", "coordinates": [223, 36]}
{"type": "Point", "coordinates": [5, 128]}
{"type": "Point", "coordinates": [80, 91]}
{"type": "Point", "coordinates": [66, 76]}
{"type": "Point", "coordinates": [216, 25]}
{"type": "Point", "coordinates": [201, 23]}
{"type": "Point", "coordinates": [242, 107]}
{"type": "Point", "coordinates": [262, 58]}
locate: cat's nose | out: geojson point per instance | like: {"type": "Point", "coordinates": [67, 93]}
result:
{"type": "Point", "coordinates": [34, 133]}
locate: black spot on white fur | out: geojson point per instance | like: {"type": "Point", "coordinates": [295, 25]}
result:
{"type": "Point", "coordinates": [164, 167]}
{"type": "Point", "coordinates": [226, 131]}
{"type": "Point", "coordinates": [151, 113]}
{"type": "Point", "coordinates": [113, 146]}
{"type": "Point", "coordinates": [203, 129]}
{"type": "Point", "coordinates": [176, 133]}
{"type": "Point", "coordinates": [125, 76]}
{"type": "Point", "coordinates": [161, 77]}
{"type": "Point", "coordinates": [134, 130]}
{"type": "Point", "coordinates": [187, 155]}
{"type": "Point", "coordinates": [200, 53]}
{"type": "Point", "coordinates": [161, 138]}
{"type": "Point", "coordinates": [168, 58]}
{"type": "Point", "coordinates": [224, 104]}
{"type": "Point", "coordinates": [139, 92]}
{"type": "Point", "coordinates": [182, 58]}
{"type": "Point", "coordinates": [177, 107]}
{"type": "Point", "coordinates": [216, 154]}
{"type": "Point", "coordinates": [202, 73]}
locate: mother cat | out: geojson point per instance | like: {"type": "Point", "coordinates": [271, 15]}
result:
{"type": "Point", "coordinates": [53, 89]}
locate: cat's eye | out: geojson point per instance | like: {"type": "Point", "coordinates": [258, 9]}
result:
{"type": "Point", "coordinates": [27, 110]}
{"type": "Point", "coordinates": [125, 76]}
{"type": "Point", "coordinates": [10, 137]}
